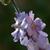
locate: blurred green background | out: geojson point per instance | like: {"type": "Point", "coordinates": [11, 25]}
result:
{"type": "Point", "coordinates": [41, 8]}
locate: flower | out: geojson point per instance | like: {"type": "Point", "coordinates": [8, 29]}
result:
{"type": "Point", "coordinates": [29, 31]}
{"type": "Point", "coordinates": [20, 26]}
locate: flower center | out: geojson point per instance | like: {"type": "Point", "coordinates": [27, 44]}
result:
{"type": "Point", "coordinates": [33, 26]}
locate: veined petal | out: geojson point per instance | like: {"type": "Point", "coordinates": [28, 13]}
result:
{"type": "Point", "coordinates": [39, 23]}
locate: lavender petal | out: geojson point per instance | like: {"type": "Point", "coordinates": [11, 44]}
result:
{"type": "Point", "coordinates": [24, 41]}
{"type": "Point", "coordinates": [39, 23]}
{"type": "Point", "coordinates": [42, 41]}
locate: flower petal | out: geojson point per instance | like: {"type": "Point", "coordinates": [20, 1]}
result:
{"type": "Point", "coordinates": [31, 15]}
{"type": "Point", "coordinates": [42, 40]}
{"type": "Point", "coordinates": [29, 20]}
{"type": "Point", "coordinates": [22, 33]}
{"type": "Point", "coordinates": [30, 31]}
{"type": "Point", "coordinates": [15, 32]}
{"type": "Point", "coordinates": [25, 27]}
{"type": "Point", "coordinates": [48, 47]}
{"type": "Point", "coordinates": [32, 45]}
{"type": "Point", "coordinates": [24, 24]}
{"type": "Point", "coordinates": [21, 15]}
{"type": "Point", "coordinates": [43, 33]}
{"type": "Point", "coordinates": [15, 35]}
{"type": "Point", "coordinates": [39, 23]}
{"type": "Point", "coordinates": [16, 23]}
{"type": "Point", "coordinates": [15, 39]}
{"type": "Point", "coordinates": [24, 41]}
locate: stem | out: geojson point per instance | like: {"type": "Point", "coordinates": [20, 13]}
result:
{"type": "Point", "coordinates": [14, 4]}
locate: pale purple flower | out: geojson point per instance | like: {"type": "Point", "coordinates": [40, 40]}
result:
{"type": "Point", "coordinates": [29, 31]}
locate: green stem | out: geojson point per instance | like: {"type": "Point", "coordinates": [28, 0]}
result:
{"type": "Point", "coordinates": [14, 4]}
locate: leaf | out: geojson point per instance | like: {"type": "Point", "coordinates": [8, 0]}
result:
{"type": "Point", "coordinates": [5, 2]}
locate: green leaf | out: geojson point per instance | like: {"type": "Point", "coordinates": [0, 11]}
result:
{"type": "Point", "coordinates": [5, 2]}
